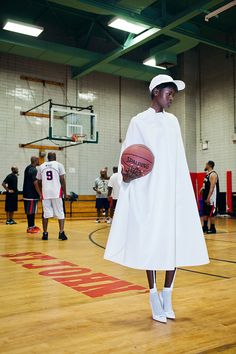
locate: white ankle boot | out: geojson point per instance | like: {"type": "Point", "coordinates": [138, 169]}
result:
{"type": "Point", "coordinates": [158, 313]}
{"type": "Point", "coordinates": [166, 300]}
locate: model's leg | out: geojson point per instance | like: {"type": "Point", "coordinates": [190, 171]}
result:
{"type": "Point", "coordinates": [151, 276]}
{"type": "Point", "coordinates": [158, 313]}
{"type": "Point", "coordinates": [169, 279]}
{"type": "Point", "coordinates": [166, 293]}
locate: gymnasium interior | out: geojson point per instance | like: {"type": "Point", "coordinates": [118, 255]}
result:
{"type": "Point", "coordinates": [92, 61]}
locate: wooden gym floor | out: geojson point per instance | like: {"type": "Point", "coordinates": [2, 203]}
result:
{"type": "Point", "coordinates": [62, 297]}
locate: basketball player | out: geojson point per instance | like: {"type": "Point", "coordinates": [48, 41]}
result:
{"type": "Point", "coordinates": [113, 190]}
{"type": "Point", "coordinates": [51, 186]}
{"type": "Point", "coordinates": [101, 189]}
{"type": "Point", "coordinates": [11, 202]}
{"type": "Point", "coordinates": [210, 192]}
{"type": "Point", "coordinates": [148, 230]}
{"type": "Point", "coordinates": [30, 194]}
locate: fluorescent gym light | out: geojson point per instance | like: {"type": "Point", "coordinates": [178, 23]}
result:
{"type": "Point", "coordinates": [24, 28]}
{"type": "Point", "coordinates": [220, 10]}
{"type": "Point", "coordinates": [127, 26]}
{"type": "Point", "coordinates": [152, 62]}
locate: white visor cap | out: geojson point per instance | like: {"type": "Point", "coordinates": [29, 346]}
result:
{"type": "Point", "coordinates": [161, 79]}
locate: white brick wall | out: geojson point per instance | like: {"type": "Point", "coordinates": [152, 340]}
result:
{"type": "Point", "coordinates": [217, 113]}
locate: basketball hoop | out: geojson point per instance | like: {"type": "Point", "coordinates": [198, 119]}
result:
{"type": "Point", "coordinates": [74, 137]}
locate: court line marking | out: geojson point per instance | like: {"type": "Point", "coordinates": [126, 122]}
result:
{"type": "Point", "coordinates": [204, 273]}
{"type": "Point", "coordinates": [92, 233]}
{"type": "Point", "coordinates": [90, 236]}
{"type": "Point", "coordinates": [211, 239]}
{"type": "Point", "coordinates": [222, 260]}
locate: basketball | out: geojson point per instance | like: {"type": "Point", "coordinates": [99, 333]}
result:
{"type": "Point", "coordinates": [137, 161]}
{"type": "Point", "coordinates": [74, 137]}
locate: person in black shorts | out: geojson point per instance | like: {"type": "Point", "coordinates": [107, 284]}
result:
{"type": "Point", "coordinates": [101, 189]}
{"type": "Point", "coordinates": [30, 195]}
{"type": "Point", "coordinates": [210, 192]}
{"type": "Point", "coordinates": [11, 203]}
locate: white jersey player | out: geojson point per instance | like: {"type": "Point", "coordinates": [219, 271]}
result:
{"type": "Point", "coordinates": [51, 186]}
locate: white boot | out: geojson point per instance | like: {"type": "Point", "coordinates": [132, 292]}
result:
{"type": "Point", "coordinates": [158, 313]}
{"type": "Point", "coordinates": [166, 300]}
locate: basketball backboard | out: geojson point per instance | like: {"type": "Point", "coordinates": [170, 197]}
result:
{"type": "Point", "coordinates": [68, 123]}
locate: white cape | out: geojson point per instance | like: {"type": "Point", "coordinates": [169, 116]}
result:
{"type": "Point", "coordinates": [156, 223]}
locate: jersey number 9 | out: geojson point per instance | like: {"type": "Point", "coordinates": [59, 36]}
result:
{"type": "Point", "coordinates": [49, 175]}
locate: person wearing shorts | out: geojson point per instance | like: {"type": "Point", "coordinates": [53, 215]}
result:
{"type": "Point", "coordinates": [101, 189]}
{"type": "Point", "coordinates": [51, 186]}
{"type": "Point", "coordinates": [210, 192]}
{"type": "Point", "coordinates": [11, 203]}
{"type": "Point", "coordinates": [113, 190]}
{"type": "Point", "coordinates": [30, 194]}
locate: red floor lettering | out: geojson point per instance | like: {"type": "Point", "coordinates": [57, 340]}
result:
{"type": "Point", "coordinates": [62, 263]}
{"type": "Point", "coordinates": [106, 289]}
{"type": "Point", "coordinates": [63, 271]}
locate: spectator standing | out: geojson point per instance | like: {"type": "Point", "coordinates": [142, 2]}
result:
{"type": "Point", "coordinates": [30, 194]}
{"type": "Point", "coordinates": [114, 189]}
{"type": "Point", "coordinates": [10, 185]}
{"type": "Point", "coordinates": [101, 189]}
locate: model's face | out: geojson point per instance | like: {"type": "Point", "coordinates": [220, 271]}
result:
{"type": "Point", "coordinates": [165, 97]}
{"type": "Point", "coordinates": [206, 168]}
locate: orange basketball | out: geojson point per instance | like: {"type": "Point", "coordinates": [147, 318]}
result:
{"type": "Point", "coordinates": [137, 161]}
{"type": "Point", "coordinates": [74, 137]}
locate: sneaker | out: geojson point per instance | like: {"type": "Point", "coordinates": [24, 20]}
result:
{"type": "Point", "coordinates": [212, 230]}
{"type": "Point", "coordinates": [9, 222]}
{"type": "Point", "coordinates": [98, 221]}
{"type": "Point", "coordinates": [37, 228]}
{"type": "Point", "coordinates": [32, 230]}
{"type": "Point", "coordinates": [45, 236]}
{"type": "Point", "coordinates": [108, 220]}
{"type": "Point", "coordinates": [62, 236]}
{"type": "Point", "coordinates": [205, 230]}
{"type": "Point", "coordinates": [13, 221]}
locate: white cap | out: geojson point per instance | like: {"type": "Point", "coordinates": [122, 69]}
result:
{"type": "Point", "coordinates": [161, 79]}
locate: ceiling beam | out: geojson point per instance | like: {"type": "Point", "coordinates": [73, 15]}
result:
{"type": "Point", "coordinates": [145, 36]}
{"type": "Point", "coordinates": [70, 53]}
{"type": "Point", "coordinates": [201, 39]}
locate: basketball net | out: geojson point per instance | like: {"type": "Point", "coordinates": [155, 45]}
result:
{"type": "Point", "coordinates": [75, 138]}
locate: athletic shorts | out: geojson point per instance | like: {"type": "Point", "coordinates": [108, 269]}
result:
{"type": "Point", "coordinates": [53, 208]}
{"type": "Point", "coordinates": [102, 203]}
{"type": "Point", "coordinates": [209, 210]}
{"type": "Point", "coordinates": [11, 203]}
{"type": "Point", "coordinates": [31, 206]}
{"type": "Point", "coordinates": [113, 204]}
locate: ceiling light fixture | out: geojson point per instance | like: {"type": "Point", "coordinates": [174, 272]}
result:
{"type": "Point", "coordinates": [127, 26]}
{"type": "Point", "coordinates": [24, 28]}
{"type": "Point", "coordinates": [220, 10]}
{"type": "Point", "coordinates": [152, 62]}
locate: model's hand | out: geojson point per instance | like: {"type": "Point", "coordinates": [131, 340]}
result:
{"type": "Point", "coordinates": [66, 197]}
{"type": "Point", "coordinates": [10, 191]}
{"type": "Point", "coordinates": [98, 192]}
{"type": "Point", "coordinates": [130, 173]}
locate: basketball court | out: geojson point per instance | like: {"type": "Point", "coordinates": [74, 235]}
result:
{"type": "Point", "coordinates": [73, 90]}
